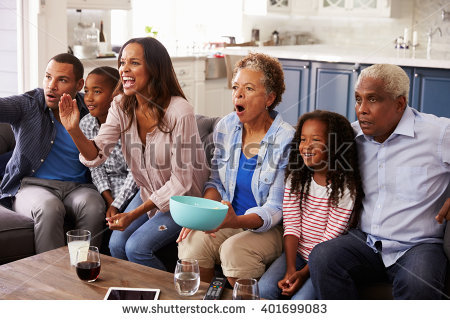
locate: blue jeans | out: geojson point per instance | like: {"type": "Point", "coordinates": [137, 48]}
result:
{"type": "Point", "coordinates": [143, 237]}
{"type": "Point", "coordinates": [338, 265]}
{"type": "Point", "coordinates": [268, 284]}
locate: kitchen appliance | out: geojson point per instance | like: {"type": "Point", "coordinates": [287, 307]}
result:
{"type": "Point", "coordinates": [86, 40]}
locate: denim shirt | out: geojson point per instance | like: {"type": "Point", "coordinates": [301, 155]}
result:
{"type": "Point", "coordinates": [268, 177]}
{"type": "Point", "coordinates": [33, 125]}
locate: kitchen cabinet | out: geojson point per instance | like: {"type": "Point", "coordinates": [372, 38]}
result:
{"type": "Point", "coordinates": [218, 102]}
{"type": "Point", "coordinates": [332, 88]}
{"type": "Point", "coordinates": [431, 91]}
{"type": "Point", "coordinates": [264, 7]}
{"type": "Point", "coordinates": [99, 4]}
{"type": "Point", "coordinates": [295, 98]}
{"type": "Point", "coordinates": [357, 8]}
{"type": "Point", "coordinates": [190, 72]}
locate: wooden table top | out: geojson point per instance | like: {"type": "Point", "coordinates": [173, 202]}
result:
{"type": "Point", "coordinates": [49, 275]}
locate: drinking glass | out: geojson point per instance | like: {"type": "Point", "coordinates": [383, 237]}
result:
{"type": "Point", "coordinates": [76, 239]}
{"type": "Point", "coordinates": [246, 289]}
{"type": "Point", "coordinates": [187, 277]}
{"type": "Point", "coordinates": [88, 263]}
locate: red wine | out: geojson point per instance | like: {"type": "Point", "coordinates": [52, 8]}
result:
{"type": "Point", "coordinates": [88, 270]}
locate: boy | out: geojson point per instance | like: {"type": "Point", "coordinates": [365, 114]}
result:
{"type": "Point", "coordinates": [113, 179]}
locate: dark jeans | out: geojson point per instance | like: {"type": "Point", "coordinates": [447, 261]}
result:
{"type": "Point", "coordinates": [338, 265]}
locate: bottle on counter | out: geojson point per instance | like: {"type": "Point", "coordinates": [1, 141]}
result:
{"type": "Point", "coordinates": [102, 46]}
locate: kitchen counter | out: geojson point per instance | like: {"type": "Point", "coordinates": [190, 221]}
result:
{"type": "Point", "coordinates": [353, 54]}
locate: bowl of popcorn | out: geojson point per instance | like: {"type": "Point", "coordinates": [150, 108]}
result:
{"type": "Point", "coordinates": [197, 213]}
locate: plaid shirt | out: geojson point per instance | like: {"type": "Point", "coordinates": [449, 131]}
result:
{"type": "Point", "coordinates": [114, 174]}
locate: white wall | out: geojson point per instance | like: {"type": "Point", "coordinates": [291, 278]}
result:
{"type": "Point", "coordinates": [8, 48]}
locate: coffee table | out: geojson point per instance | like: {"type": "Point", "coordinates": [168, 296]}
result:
{"type": "Point", "coordinates": [49, 275]}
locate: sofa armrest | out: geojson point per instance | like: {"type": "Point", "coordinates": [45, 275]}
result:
{"type": "Point", "coordinates": [16, 236]}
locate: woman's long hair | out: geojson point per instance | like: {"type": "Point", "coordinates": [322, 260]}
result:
{"type": "Point", "coordinates": [343, 169]}
{"type": "Point", "coordinates": [162, 86]}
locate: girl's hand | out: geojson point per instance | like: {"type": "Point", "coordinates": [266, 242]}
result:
{"type": "Point", "coordinates": [69, 115]}
{"type": "Point", "coordinates": [230, 220]}
{"type": "Point", "coordinates": [293, 284]}
{"type": "Point", "coordinates": [183, 234]}
{"type": "Point", "coordinates": [119, 221]}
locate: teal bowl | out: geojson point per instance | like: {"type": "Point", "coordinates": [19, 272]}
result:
{"type": "Point", "coordinates": [197, 213]}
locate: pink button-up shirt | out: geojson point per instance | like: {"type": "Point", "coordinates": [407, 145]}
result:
{"type": "Point", "coordinates": [168, 164]}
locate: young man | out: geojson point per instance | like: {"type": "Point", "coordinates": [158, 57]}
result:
{"type": "Point", "coordinates": [405, 168]}
{"type": "Point", "coordinates": [44, 178]}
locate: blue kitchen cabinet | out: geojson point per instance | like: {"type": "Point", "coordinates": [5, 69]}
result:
{"type": "Point", "coordinates": [295, 98]}
{"type": "Point", "coordinates": [431, 91]}
{"type": "Point", "coordinates": [332, 88]}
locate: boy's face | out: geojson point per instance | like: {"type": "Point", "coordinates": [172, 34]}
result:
{"type": "Point", "coordinates": [98, 96]}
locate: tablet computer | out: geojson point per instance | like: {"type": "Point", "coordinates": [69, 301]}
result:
{"type": "Point", "coordinates": [119, 293]}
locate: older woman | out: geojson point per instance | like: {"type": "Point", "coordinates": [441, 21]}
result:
{"type": "Point", "coordinates": [250, 156]}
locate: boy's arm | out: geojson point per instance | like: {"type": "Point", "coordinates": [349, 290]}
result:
{"type": "Point", "coordinates": [127, 191]}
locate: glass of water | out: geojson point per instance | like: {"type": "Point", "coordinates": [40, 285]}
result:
{"type": "Point", "coordinates": [187, 277]}
{"type": "Point", "coordinates": [246, 289]}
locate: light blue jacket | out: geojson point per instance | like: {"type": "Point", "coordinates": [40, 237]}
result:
{"type": "Point", "coordinates": [268, 177]}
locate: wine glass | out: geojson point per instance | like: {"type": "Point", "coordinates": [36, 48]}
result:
{"type": "Point", "coordinates": [88, 263]}
{"type": "Point", "coordinates": [187, 277]}
{"type": "Point", "coordinates": [246, 289]}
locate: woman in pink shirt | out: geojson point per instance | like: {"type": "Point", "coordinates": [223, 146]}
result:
{"type": "Point", "coordinates": [160, 143]}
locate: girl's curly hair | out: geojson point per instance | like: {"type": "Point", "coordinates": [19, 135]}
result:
{"type": "Point", "coordinates": [343, 169]}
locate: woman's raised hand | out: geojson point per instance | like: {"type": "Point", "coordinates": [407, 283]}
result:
{"type": "Point", "coordinates": [69, 114]}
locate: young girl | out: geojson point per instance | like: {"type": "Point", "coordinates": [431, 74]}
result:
{"type": "Point", "coordinates": [160, 143]}
{"type": "Point", "coordinates": [321, 200]}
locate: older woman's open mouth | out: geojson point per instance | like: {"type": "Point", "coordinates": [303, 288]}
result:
{"type": "Point", "coordinates": [239, 109]}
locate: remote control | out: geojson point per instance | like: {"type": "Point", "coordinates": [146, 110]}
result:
{"type": "Point", "coordinates": [215, 289]}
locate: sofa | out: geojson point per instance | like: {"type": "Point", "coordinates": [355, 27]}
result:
{"type": "Point", "coordinates": [17, 233]}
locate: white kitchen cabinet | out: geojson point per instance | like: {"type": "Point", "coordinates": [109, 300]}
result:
{"type": "Point", "coordinates": [295, 7]}
{"type": "Point", "coordinates": [217, 98]}
{"type": "Point", "coordinates": [99, 4]}
{"type": "Point", "coordinates": [190, 72]}
{"type": "Point", "coordinates": [356, 8]}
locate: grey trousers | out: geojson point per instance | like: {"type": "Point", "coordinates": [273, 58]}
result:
{"type": "Point", "coordinates": [50, 202]}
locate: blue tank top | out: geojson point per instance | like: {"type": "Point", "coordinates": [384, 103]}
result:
{"type": "Point", "coordinates": [243, 195]}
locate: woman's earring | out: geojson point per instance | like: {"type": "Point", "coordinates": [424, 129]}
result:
{"type": "Point", "coordinates": [267, 108]}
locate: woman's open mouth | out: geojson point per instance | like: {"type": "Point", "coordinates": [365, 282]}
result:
{"type": "Point", "coordinates": [239, 109]}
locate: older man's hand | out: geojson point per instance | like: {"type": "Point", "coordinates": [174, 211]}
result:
{"type": "Point", "coordinates": [444, 213]}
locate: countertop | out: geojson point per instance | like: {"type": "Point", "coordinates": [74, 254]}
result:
{"type": "Point", "coordinates": [353, 54]}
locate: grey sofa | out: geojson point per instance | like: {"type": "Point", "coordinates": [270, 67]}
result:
{"type": "Point", "coordinates": [17, 235]}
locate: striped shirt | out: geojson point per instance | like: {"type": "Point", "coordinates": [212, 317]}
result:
{"type": "Point", "coordinates": [318, 221]}
{"type": "Point", "coordinates": [114, 174]}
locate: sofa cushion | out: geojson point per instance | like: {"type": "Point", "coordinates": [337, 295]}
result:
{"type": "Point", "coordinates": [206, 127]}
{"type": "Point", "coordinates": [16, 236]}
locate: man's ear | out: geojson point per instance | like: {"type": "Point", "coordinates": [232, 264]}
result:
{"type": "Point", "coordinates": [401, 103]}
{"type": "Point", "coordinates": [80, 84]}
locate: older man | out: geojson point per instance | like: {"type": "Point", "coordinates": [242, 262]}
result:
{"type": "Point", "coordinates": [44, 178]}
{"type": "Point", "coordinates": [405, 167]}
